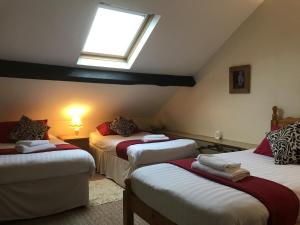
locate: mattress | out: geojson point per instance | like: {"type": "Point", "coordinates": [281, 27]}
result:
{"type": "Point", "coordinates": [144, 154]}
{"type": "Point", "coordinates": [197, 200]}
{"type": "Point", "coordinates": [26, 167]}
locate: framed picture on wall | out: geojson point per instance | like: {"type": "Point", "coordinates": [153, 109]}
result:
{"type": "Point", "coordinates": [239, 79]}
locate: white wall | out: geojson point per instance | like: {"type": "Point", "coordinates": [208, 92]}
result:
{"type": "Point", "coordinates": [40, 99]}
{"type": "Point", "coordinates": [270, 41]}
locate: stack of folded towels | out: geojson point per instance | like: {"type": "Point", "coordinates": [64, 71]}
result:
{"type": "Point", "coordinates": [29, 146]}
{"type": "Point", "coordinates": [155, 137]}
{"type": "Point", "coordinates": [218, 166]}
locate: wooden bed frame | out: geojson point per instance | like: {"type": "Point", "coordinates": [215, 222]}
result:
{"type": "Point", "coordinates": [132, 204]}
{"type": "Point", "coordinates": [281, 122]}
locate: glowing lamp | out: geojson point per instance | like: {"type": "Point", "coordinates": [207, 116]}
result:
{"type": "Point", "coordinates": [76, 123]}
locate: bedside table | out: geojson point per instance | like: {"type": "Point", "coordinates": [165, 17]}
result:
{"type": "Point", "coordinates": [81, 142]}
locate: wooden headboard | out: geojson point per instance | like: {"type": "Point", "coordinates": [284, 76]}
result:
{"type": "Point", "coordinates": [281, 122]}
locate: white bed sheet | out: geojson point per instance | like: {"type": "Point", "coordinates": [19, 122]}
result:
{"type": "Point", "coordinates": [109, 143]}
{"type": "Point", "coordinates": [25, 200]}
{"type": "Point", "coordinates": [188, 199]}
{"type": "Point", "coordinates": [25, 167]}
{"type": "Point", "coordinates": [144, 154]}
{"type": "Point", "coordinates": [111, 166]}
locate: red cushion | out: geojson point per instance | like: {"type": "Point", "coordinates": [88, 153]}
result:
{"type": "Point", "coordinates": [46, 136]}
{"type": "Point", "coordinates": [104, 129]}
{"type": "Point", "coordinates": [7, 127]}
{"type": "Point", "coordinates": [264, 148]}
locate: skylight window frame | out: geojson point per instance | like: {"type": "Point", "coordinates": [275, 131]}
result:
{"type": "Point", "coordinates": [142, 29]}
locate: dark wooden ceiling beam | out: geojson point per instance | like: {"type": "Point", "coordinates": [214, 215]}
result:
{"type": "Point", "coordinates": [26, 70]}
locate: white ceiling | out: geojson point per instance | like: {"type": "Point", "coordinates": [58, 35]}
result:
{"type": "Point", "coordinates": [54, 31]}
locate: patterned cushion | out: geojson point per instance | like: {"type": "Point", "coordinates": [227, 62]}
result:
{"type": "Point", "coordinates": [285, 144]}
{"type": "Point", "coordinates": [264, 148]}
{"type": "Point", "coordinates": [28, 129]}
{"type": "Point", "coordinates": [123, 127]}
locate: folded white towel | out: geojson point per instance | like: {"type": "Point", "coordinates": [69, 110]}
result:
{"type": "Point", "coordinates": [155, 137]}
{"type": "Point", "coordinates": [234, 176]}
{"type": "Point", "coordinates": [31, 143]}
{"type": "Point", "coordinates": [218, 163]}
{"type": "Point", "coordinates": [26, 149]}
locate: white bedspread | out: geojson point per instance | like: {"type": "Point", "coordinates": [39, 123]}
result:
{"type": "Point", "coordinates": [188, 199]}
{"type": "Point", "coordinates": [149, 153]}
{"type": "Point", "coordinates": [109, 143]}
{"type": "Point", "coordinates": [26, 167]}
{"type": "Point", "coordinates": [142, 154]}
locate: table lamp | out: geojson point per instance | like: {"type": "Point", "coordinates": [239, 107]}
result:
{"type": "Point", "coordinates": [76, 123]}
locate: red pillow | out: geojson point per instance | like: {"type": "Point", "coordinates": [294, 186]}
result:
{"type": "Point", "coordinates": [46, 136]}
{"type": "Point", "coordinates": [104, 129]}
{"type": "Point", "coordinates": [264, 148]}
{"type": "Point", "coordinates": [7, 127]}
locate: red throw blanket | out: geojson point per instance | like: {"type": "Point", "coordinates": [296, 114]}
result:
{"type": "Point", "coordinates": [60, 147]}
{"type": "Point", "coordinates": [281, 202]}
{"type": "Point", "coordinates": [122, 147]}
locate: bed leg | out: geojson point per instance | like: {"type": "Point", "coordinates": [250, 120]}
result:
{"type": "Point", "coordinates": [127, 210]}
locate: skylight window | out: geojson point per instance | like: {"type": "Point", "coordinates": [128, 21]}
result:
{"type": "Point", "coordinates": [116, 37]}
{"type": "Point", "coordinates": [113, 32]}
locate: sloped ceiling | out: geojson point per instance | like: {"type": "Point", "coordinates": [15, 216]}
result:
{"type": "Point", "coordinates": [49, 99]}
{"type": "Point", "coordinates": [54, 31]}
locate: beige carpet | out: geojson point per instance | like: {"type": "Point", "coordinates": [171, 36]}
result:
{"type": "Point", "coordinates": [106, 214]}
{"type": "Point", "coordinates": [103, 191]}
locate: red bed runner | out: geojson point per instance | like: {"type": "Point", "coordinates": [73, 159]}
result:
{"type": "Point", "coordinates": [281, 202]}
{"type": "Point", "coordinates": [122, 147]}
{"type": "Point", "coordinates": [60, 147]}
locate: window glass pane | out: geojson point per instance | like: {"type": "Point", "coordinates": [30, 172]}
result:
{"type": "Point", "coordinates": [113, 32]}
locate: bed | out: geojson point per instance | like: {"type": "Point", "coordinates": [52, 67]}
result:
{"type": "Point", "coordinates": [40, 184]}
{"type": "Point", "coordinates": [195, 200]}
{"type": "Point", "coordinates": [118, 169]}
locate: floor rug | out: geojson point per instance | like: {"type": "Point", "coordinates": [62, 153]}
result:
{"type": "Point", "coordinates": [105, 214]}
{"type": "Point", "coordinates": [103, 191]}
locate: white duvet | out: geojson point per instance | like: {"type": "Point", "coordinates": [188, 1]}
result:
{"type": "Point", "coordinates": [26, 167]}
{"type": "Point", "coordinates": [142, 154]}
{"type": "Point", "coordinates": [188, 199]}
